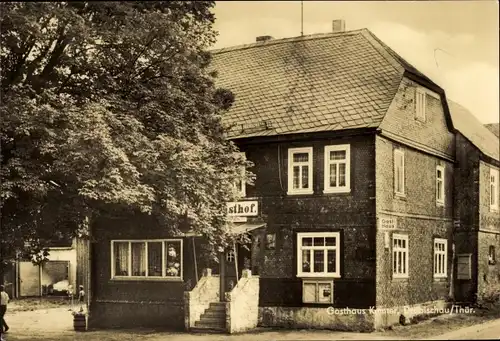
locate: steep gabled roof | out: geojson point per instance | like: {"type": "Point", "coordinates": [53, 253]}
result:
{"type": "Point", "coordinates": [470, 127]}
{"type": "Point", "coordinates": [494, 128]}
{"type": "Point", "coordinates": [321, 82]}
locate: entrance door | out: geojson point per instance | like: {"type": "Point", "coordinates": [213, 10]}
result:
{"type": "Point", "coordinates": [235, 262]}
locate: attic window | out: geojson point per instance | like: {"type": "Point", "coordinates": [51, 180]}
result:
{"type": "Point", "coordinates": [420, 105]}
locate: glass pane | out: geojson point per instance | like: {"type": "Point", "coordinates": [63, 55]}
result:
{"type": "Point", "coordinates": [138, 259]}
{"type": "Point", "coordinates": [324, 292]}
{"type": "Point", "coordinates": [305, 177]}
{"type": "Point", "coordinates": [300, 157]}
{"type": "Point", "coordinates": [309, 292]}
{"type": "Point", "coordinates": [331, 241]}
{"type": "Point", "coordinates": [337, 155]}
{"type": "Point", "coordinates": [307, 242]}
{"type": "Point", "coordinates": [439, 174]}
{"type": "Point", "coordinates": [296, 177]}
{"type": "Point", "coordinates": [331, 258]}
{"type": "Point", "coordinates": [319, 241]}
{"type": "Point", "coordinates": [403, 261]}
{"type": "Point", "coordinates": [319, 261]}
{"type": "Point", "coordinates": [333, 175]}
{"type": "Point", "coordinates": [403, 243]}
{"type": "Point", "coordinates": [306, 261]}
{"type": "Point", "coordinates": [120, 250]}
{"type": "Point", "coordinates": [342, 174]}
{"type": "Point", "coordinates": [174, 258]}
{"type": "Point", "coordinates": [435, 263]}
{"type": "Point", "coordinates": [154, 259]}
{"type": "Point", "coordinates": [394, 261]}
{"type": "Point", "coordinates": [400, 261]}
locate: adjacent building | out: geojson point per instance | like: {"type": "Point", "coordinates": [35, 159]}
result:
{"type": "Point", "coordinates": [477, 217]}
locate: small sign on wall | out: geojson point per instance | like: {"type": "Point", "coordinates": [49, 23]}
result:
{"type": "Point", "coordinates": [387, 223]}
{"type": "Point", "coordinates": [464, 266]}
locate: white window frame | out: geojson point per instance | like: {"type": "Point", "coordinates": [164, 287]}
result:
{"type": "Point", "coordinates": [396, 180]}
{"type": "Point", "coordinates": [242, 190]}
{"type": "Point", "coordinates": [328, 162]}
{"type": "Point", "coordinates": [440, 258]}
{"type": "Point", "coordinates": [300, 248]}
{"type": "Point", "coordinates": [317, 283]}
{"type": "Point", "coordinates": [163, 277]}
{"type": "Point", "coordinates": [406, 250]}
{"type": "Point", "coordinates": [440, 184]}
{"type": "Point", "coordinates": [420, 105]}
{"type": "Point", "coordinates": [291, 164]}
{"type": "Point", "coordinates": [494, 190]}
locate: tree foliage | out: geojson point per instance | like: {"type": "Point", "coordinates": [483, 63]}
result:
{"type": "Point", "coordinates": [110, 105]}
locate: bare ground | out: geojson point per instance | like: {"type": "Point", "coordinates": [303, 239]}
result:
{"type": "Point", "coordinates": [39, 320]}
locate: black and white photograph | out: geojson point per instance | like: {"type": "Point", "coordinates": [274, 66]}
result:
{"type": "Point", "coordinates": [249, 170]}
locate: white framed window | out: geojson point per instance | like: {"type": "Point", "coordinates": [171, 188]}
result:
{"type": "Point", "coordinates": [317, 291]}
{"type": "Point", "coordinates": [493, 189]}
{"type": "Point", "coordinates": [420, 105]}
{"type": "Point", "coordinates": [147, 259]}
{"type": "Point", "coordinates": [300, 170]}
{"type": "Point", "coordinates": [440, 185]}
{"type": "Point", "coordinates": [337, 169]}
{"type": "Point", "coordinates": [318, 254]}
{"type": "Point", "coordinates": [399, 172]}
{"type": "Point", "coordinates": [399, 256]}
{"type": "Point", "coordinates": [240, 184]}
{"type": "Point", "coordinates": [440, 258]}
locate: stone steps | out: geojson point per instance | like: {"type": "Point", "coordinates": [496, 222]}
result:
{"type": "Point", "coordinates": [213, 320]}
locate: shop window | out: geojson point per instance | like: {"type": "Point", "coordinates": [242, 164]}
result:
{"type": "Point", "coordinates": [144, 259]}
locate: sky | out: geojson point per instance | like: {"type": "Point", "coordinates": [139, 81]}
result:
{"type": "Point", "coordinates": [455, 43]}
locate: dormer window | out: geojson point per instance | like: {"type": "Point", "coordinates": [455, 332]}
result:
{"type": "Point", "coordinates": [420, 105]}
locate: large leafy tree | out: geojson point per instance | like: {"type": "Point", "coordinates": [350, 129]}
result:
{"type": "Point", "coordinates": [110, 107]}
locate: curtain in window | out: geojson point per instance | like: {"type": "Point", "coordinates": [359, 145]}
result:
{"type": "Point", "coordinates": [138, 259]}
{"type": "Point", "coordinates": [121, 259]}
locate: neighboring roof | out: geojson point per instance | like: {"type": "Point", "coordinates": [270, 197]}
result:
{"type": "Point", "coordinates": [470, 127]}
{"type": "Point", "coordinates": [494, 128]}
{"type": "Point", "coordinates": [321, 82]}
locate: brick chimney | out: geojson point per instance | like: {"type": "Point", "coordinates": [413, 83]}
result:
{"type": "Point", "coordinates": [263, 38]}
{"type": "Point", "coordinates": [338, 26]}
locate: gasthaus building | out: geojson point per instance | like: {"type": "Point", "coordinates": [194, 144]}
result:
{"type": "Point", "coordinates": [352, 206]}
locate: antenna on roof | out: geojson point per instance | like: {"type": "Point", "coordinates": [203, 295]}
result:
{"type": "Point", "coordinates": [302, 18]}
